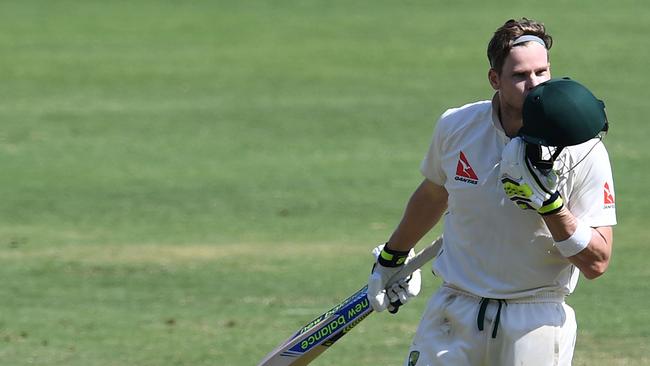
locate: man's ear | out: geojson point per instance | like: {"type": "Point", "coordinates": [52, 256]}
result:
{"type": "Point", "coordinates": [493, 77]}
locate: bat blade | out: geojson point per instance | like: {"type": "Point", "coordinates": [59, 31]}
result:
{"type": "Point", "coordinates": [318, 335]}
{"type": "Point", "coordinates": [315, 337]}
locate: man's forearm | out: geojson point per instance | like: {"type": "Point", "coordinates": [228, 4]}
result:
{"type": "Point", "coordinates": [592, 260]}
{"type": "Point", "coordinates": [423, 211]}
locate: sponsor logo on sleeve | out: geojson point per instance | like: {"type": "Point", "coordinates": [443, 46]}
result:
{"type": "Point", "coordinates": [608, 197]}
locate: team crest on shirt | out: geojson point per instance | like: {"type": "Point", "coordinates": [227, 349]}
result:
{"type": "Point", "coordinates": [608, 197]}
{"type": "Point", "coordinates": [464, 171]}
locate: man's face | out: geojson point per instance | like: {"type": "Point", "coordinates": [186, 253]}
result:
{"type": "Point", "coordinates": [525, 67]}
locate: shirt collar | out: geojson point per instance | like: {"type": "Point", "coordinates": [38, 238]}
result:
{"type": "Point", "coordinates": [496, 122]}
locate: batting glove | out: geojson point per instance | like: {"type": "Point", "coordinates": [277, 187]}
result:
{"type": "Point", "coordinates": [389, 262]}
{"type": "Point", "coordinates": [524, 184]}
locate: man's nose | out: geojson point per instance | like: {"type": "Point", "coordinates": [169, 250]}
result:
{"type": "Point", "coordinates": [533, 80]}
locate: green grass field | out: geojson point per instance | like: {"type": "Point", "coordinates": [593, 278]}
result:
{"type": "Point", "coordinates": [187, 183]}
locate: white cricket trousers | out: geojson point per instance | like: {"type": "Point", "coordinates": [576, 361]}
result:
{"type": "Point", "coordinates": [533, 331]}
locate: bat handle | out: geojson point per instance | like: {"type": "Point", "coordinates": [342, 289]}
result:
{"type": "Point", "coordinates": [394, 307]}
{"type": "Point", "coordinates": [419, 260]}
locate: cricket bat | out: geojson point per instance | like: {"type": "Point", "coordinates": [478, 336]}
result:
{"type": "Point", "coordinates": [319, 334]}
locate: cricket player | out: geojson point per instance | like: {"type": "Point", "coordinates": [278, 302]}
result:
{"type": "Point", "coordinates": [527, 200]}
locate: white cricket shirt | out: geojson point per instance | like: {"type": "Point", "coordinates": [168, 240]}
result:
{"type": "Point", "coordinates": [493, 248]}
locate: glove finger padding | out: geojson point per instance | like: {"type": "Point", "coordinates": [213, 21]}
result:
{"type": "Point", "coordinates": [525, 185]}
{"type": "Point", "coordinates": [376, 292]}
{"type": "Point", "coordinates": [401, 292]}
{"type": "Point", "coordinates": [405, 289]}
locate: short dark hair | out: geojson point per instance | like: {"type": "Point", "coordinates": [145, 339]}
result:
{"type": "Point", "coordinates": [501, 43]}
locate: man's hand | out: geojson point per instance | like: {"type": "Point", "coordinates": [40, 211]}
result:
{"type": "Point", "coordinates": [526, 185]}
{"type": "Point", "coordinates": [388, 263]}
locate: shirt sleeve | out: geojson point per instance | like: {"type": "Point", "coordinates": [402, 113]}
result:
{"type": "Point", "coordinates": [431, 166]}
{"type": "Point", "coordinates": [592, 199]}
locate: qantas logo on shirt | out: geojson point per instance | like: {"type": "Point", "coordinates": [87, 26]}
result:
{"type": "Point", "coordinates": [609, 198]}
{"type": "Point", "coordinates": [464, 171]}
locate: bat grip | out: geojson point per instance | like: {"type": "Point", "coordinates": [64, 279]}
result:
{"type": "Point", "coordinates": [394, 307]}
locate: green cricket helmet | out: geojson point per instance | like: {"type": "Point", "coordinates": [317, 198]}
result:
{"type": "Point", "coordinates": [562, 112]}
{"type": "Point", "coordinates": [559, 113]}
